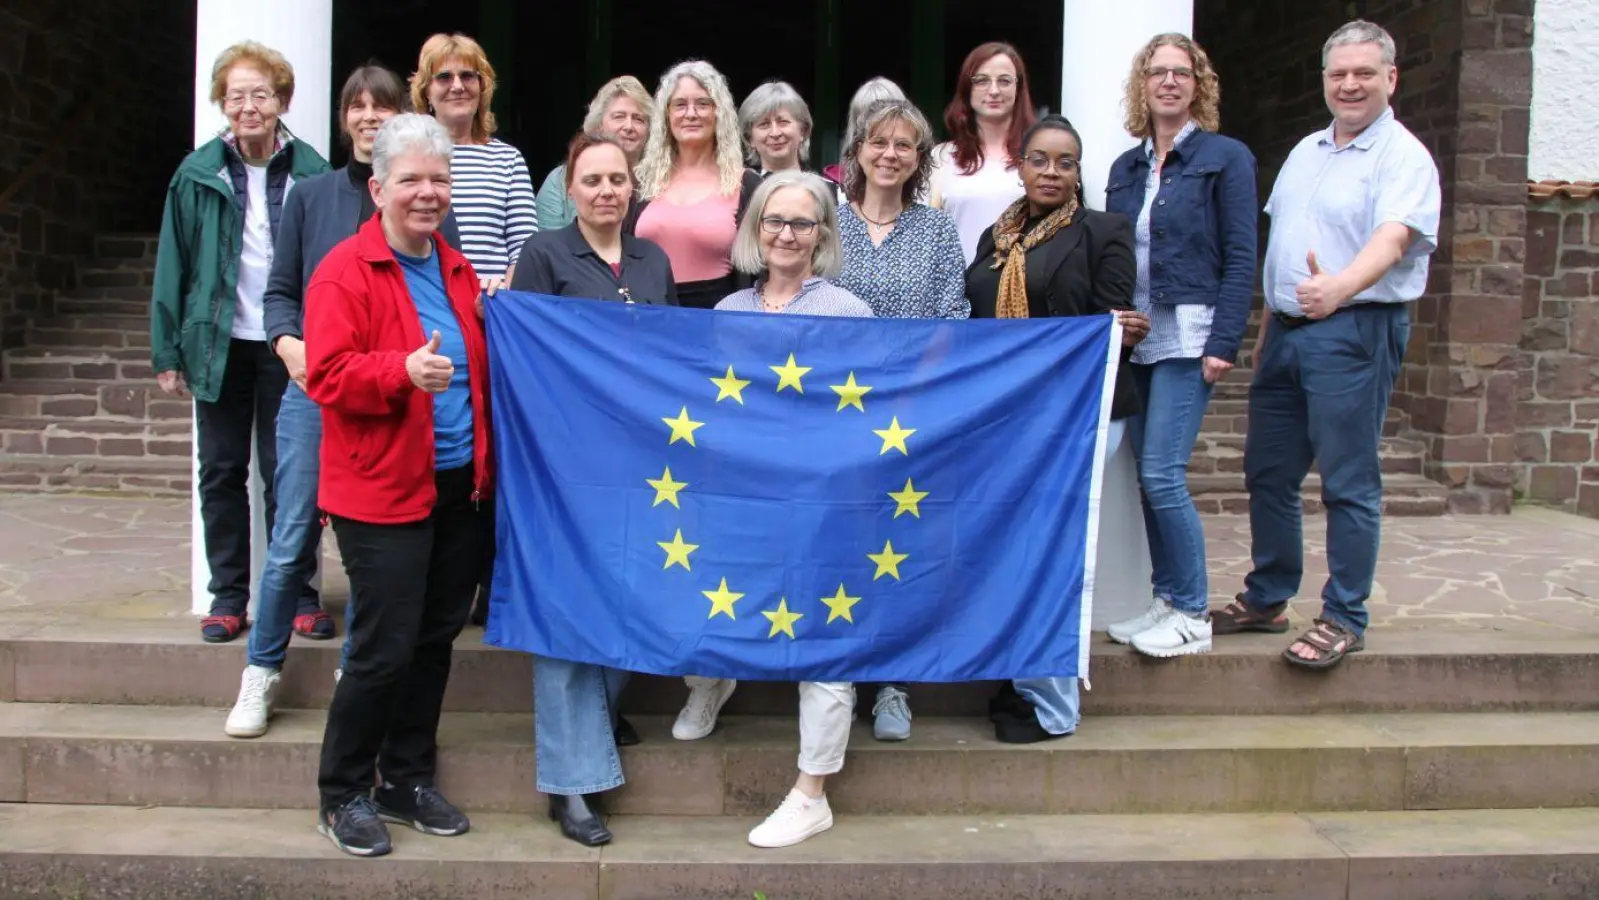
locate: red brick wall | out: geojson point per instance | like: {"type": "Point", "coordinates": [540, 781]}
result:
{"type": "Point", "coordinates": [1558, 417]}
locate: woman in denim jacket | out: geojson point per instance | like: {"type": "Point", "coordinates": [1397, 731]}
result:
{"type": "Point", "coordinates": [1190, 193]}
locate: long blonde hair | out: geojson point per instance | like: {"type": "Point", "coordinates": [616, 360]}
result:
{"type": "Point", "coordinates": [1206, 108]}
{"type": "Point", "coordinates": [660, 152]}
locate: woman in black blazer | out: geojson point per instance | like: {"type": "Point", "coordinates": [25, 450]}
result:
{"type": "Point", "coordinates": [1049, 255]}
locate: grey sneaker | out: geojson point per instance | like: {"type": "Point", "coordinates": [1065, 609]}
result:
{"type": "Point", "coordinates": [893, 715]}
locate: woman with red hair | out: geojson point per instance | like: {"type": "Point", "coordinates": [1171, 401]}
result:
{"type": "Point", "coordinates": [975, 174]}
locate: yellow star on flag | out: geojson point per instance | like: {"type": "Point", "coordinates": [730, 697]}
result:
{"type": "Point", "coordinates": [907, 500]}
{"type": "Point", "coordinates": [893, 437]}
{"type": "Point", "coordinates": [666, 489]}
{"type": "Point", "coordinates": [840, 606]}
{"type": "Point", "coordinates": [788, 375]}
{"type": "Point", "coordinates": [782, 620]}
{"type": "Point", "coordinates": [722, 600]}
{"type": "Point", "coordinates": [677, 552]}
{"type": "Point", "coordinates": [850, 393]}
{"type": "Point", "coordinates": [888, 561]}
{"type": "Point", "coordinates": [682, 428]}
{"type": "Point", "coordinates": [730, 385]}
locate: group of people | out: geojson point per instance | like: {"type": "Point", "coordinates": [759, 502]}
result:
{"type": "Point", "coordinates": [341, 321]}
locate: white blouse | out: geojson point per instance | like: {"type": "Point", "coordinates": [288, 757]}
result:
{"type": "Point", "coordinates": [974, 201]}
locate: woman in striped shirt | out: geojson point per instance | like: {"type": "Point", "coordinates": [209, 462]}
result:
{"type": "Point", "coordinates": [492, 194]}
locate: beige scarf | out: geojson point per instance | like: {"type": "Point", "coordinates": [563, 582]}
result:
{"type": "Point", "coordinates": [1010, 252]}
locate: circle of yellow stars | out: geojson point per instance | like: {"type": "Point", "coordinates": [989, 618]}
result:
{"type": "Point", "coordinates": [790, 376]}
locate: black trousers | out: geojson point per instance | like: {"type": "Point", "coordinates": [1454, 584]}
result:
{"type": "Point", "coordinates": [411, 586]}
{"type": "Point", "coordinates": [252, 390]}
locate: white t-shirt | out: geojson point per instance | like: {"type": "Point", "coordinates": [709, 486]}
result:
{"type": "Point", "coordinates": [255, 260]}
{"type": "Point", "coordinates": [974, 201]}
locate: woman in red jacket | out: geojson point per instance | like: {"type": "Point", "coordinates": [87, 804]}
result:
{"type": "Point", "coordinates": [397, 359]}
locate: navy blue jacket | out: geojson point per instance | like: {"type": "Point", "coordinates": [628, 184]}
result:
{"type": "Point", "coordinates": [1202, 229]}
{"type": "Point", "coordinates": [319, 214]}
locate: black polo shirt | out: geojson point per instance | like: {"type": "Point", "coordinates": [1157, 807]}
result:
{"type": "Point", "coordinates": [562, 263]}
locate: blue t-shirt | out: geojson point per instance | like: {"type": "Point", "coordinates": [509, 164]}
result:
{"type": "Point", "coordinates": [452, 410]}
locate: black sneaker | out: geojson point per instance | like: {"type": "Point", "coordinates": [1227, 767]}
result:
{"type": "Point", "coordinates": [355, 828]}
{"type": "Point", "coordinates": [422, 808]}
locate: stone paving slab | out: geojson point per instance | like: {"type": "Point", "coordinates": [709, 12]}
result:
{"type": "Point", "coordinates": [68, 558]}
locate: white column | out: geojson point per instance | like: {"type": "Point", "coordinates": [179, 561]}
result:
{"type": "Point", "coordinates": [1096, 52]}
{"type": "Point", "coordinates": [302, 30]}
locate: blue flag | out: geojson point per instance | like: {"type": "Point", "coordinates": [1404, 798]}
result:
{"type": "Point", "coordinates": [793, 498]}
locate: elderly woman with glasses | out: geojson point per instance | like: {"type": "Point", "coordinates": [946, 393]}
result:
{"type": "Point", "coordinates": [621, 108]}
{"type": "Point", "coordinates": [790, 243]}
{"type": "Point", "coordinates": [1190, 194]}
{"type": "Point", "coordinates": [777, 127]}
{"type": "Point", "coordinates": [693, 185]}
{"type": "Point", "coordinates": [207, 311]}
{"type": "Point", "coordinates": [397, 360]}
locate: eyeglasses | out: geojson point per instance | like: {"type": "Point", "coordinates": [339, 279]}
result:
{"type": "Point", "coordinates": [981, 82]}
{"type": "Point", "coordinates": [1180, 74]}
{"type": "Point", "coordinates": [702, 105]}
{"type": "Point", "coordinates": [469, 78]}
{"type": "Point", "coordinates": [900, 148]}
{"type": "Point", "coordinates": [1041, 163]}
{"type": "Point", "coordinates": [260, 97]}
{"type": "Point", "coordinates": [776, 224]}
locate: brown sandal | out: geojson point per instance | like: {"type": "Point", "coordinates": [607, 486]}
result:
{"type": "Point", "coordinates": [1331, 641]}
{"type": "Point", "coordinates": [1238, 617]}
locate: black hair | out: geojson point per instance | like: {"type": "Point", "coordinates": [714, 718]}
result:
{"type": "Point", "coordinates": [1059, 123]}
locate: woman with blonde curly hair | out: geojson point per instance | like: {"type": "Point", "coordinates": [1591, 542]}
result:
{"type": "Point", "coordinates": [1190, 193]}
{"type": "Point", "coordinates": [692, 182]}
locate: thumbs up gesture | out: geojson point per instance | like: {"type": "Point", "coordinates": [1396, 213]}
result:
{"type": "Point", "coordinates": [1321, 294]}
{"type": "Point", "coordinates": [428, 370]}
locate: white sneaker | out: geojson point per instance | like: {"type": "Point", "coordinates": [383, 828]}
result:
{"type": "Point", "coordinates": [1176, 634]}
{"type": "Point", "coordinates": [706, 697]}
{"type": "Point", "coordinates": [254, 707]}
{"type": "Point", "coordinates": [797, 818]}
{"type": "Point", "coordinates": [1123, 631]}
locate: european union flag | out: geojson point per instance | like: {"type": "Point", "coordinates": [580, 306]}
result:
{"type": "Point", "coordinates": [790, 498]}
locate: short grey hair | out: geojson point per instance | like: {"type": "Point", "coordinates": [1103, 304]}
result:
{"type": "Point", "coordinates": [1361, 31]}
{"type": "Point", "coordinates": [407, 133]}
{"type": "Point", "coordinates": [827, 259]}
{"type": "Point", "coordinates": [878, 88]}
{"type": "Point", "coordinates": [766, 100]}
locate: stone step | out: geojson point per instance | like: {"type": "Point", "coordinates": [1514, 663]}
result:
{"type": "Point", "coordinates": [1404, 494]}
{"type": "Point", "coordinates": [1225, 453]}
{"type": "Point", "coordinates": [97, 321]}
{"type": "Point", "coordinates": [106, 400]}
{"type": "Point", "coordinates": [164, 662]}
{"type": "Point", "coordinates": [178, 756]}
{"type": "Point", "coordinates": [185, 853]}
{"type": "Point", "coordinates": [169, 476]}
{"type": "Point", "coordinates": [90, 338]}
{"type": "Point", "coordinates": [89, 436]}
{"type": "Point", "coordinates": [58, 363]}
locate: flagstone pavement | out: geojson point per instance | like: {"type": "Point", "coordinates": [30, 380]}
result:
{"type": "Point", "coordinates": [109, 558]}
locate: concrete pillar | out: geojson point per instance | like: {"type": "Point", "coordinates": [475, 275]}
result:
{"type": "Point", "coordinates": [1097, 48]}
{"type": "Point", "coordinates": [302, 30]}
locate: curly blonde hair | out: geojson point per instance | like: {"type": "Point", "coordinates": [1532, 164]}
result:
{"type": "Point", "coordinates": [1206, 108]}
{"type": "Point", "coordinates": [253, 53]}
{"type": "Point", "coordinates": [660, 152]}
{"type": "Point", "coordinates": [435, 52]}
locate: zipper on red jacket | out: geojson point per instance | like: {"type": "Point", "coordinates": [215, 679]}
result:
{"type": "Point", "coordinates": [476, 496]}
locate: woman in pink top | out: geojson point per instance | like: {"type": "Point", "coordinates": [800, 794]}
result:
{"type": "Point", "coordinates": [693, 182]}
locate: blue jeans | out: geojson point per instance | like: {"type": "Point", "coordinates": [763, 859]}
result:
{"type": "Point", "coordinates": [1175, 396]}
{"type": "Point", "coordinates": [1320, 395]}
{"type": "Point", "coordinates": [574, 713]}
{"type": "Point", "coordinates": [296, 531]}
{"type": "Point", "coordinates": [1056, 701]}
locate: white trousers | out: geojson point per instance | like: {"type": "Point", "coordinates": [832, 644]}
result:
{"type": "Point", "coordinates": [827, 708]}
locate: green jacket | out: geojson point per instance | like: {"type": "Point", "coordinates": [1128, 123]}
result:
{"type": "Point", "coordinates": [197, 261]}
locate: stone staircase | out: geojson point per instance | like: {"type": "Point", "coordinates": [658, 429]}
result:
{"type": "Point", "coordinates": [1433, 765]}
{"type": "Point", "coordinates": [79, 409]}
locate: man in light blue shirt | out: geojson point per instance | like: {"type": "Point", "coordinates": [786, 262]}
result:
{"type": "Point", "coordinates": [1354, 218]}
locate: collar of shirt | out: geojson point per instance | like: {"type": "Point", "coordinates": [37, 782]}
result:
{"type": "Point", "coordinates": [579, 245]}
{"type": "Point", "coordinates": [806, 286]}
{"type": "Point", "coordinates": [1363, 140]}
{"type": "Point", "coordinates": [1182, 135]}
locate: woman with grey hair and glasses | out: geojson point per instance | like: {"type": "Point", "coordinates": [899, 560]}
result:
{"type": "Point", "coordinates": [776, 125]}
{"type": "Point", "coordinates": [790, 243]}
{"type": "Point", "coordinates": [872, 91]}
{"type": "Point", "coordinates": [621, 108]}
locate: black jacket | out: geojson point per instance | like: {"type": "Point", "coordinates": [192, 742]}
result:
{"type": "Point", "coordinates": [562, 263]}
{"type": "Point", "coordinates": [1092, 271]}
{"type": "Point", "coordinates": [319, 213]}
